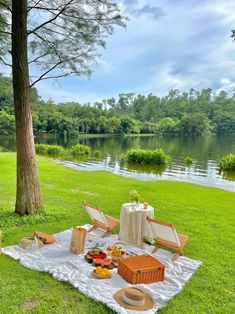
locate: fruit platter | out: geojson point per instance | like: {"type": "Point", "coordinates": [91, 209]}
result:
{"type": "Point", "coordinates": [107, 263]}
{"type": "Point", "coordinates": [95, 256]}
{"type": "Point", "coordinates": [117, 251]}
{"type": "Point", "coordinates": [101, 273]}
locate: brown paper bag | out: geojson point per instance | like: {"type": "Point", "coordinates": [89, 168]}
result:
{"type": "Point", "coordinates": [78, 240]}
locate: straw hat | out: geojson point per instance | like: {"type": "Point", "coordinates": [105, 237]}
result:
{"type": "Point", "coordinates": [134, 299]}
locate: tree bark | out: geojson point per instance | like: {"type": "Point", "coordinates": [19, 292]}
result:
{"type": "Point", "coordinates": [28, 196]}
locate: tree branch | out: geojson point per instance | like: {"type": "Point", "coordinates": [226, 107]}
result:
{"type": "Point", "coordinates": [53, 31]}
{"type": "Point", "coordinates": [42, 77]}
{"type": "Point", "coordinates": [45, 73]}
{"type": "Point", "coordinates": [43, 8]}
{"type": "Point", "coordinates": [37, 58]}
{"type": "Point", "coordinates": [8, 64]}
{"type": "Point", "coordinates": [49, 44]}
{"type": "Point", "coordinates": [46, 8]}
{"type": "Point", "coordinates": [6, 33]}
{"type": "Point", "coordinates": [53, 77]}
{"type": "Point", "coordinates": [5, 6]}
{"type": "Point", "coordinates": [35, 6]}
{"type": "Point", "coordinates": [52, 19]}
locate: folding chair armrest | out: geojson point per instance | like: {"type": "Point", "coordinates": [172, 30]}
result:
{"type": "Point", "coordinates": [112, 218]}
{"type": "Point", "coordinates": [166, 243]}
{"type": "Point", "coordinates": [183, 239]}
{"type": "Point", "coordinates": [183, 236]}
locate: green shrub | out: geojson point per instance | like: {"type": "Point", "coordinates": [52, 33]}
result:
{"type": "Point", "coordinates": [80, 150]}
{"type": "Point", "coordinates": [188, 160]}
{"type": "Point", "coordinates": [227, 162]}
{"type": "Point", "coordinates": [147, 157]}
{"type": "Point", "coordinates": [2, 149]}
{"type": "Point", "coordinates": [97, 154]}
{"type": "Point", "coordinates": [55, 150]}
{"type": "Point", "coordinates": [52, 150]}
{"type": "Point", "coordinates": [41, 149]}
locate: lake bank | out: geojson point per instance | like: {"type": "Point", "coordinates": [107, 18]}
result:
{"type": "Point", "coordinates": [205, 214]}
{"type": "Point", "coordinates": [206, 151]}
{"type": "Point", "coordinates": [173, 172]}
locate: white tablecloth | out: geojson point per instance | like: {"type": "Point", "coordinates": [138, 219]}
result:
{"type": "Point", "coordinates": [133, 225]}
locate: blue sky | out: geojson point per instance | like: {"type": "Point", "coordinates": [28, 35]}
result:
{"type": "Point", "coordinates": [167, 44]}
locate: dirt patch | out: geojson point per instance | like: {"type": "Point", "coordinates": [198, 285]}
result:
{"type": "Point", "coordinates": [30, 305]}
{"type": "Point", "coordinates": [85, 192]}
{"type": "Point", "coordinates": [50, 186]}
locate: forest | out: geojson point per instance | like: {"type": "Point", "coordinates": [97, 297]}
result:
{"type": "Point", "coordinates": [193, 112]}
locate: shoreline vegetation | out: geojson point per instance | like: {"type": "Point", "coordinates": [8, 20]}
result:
{"type": "Point", "coordinates": [155, 157]}
{"type": "Point", "coordinates": [147, 157]}
{"type": "Point", "coordinates": [227, 163]}
{"type": "Point", "coordinates": [76, 152]}
{"type": "Point", "coordinates": [59, 151]}
{"type": "Point", "coordinates": [178, 113]}
{"type": "Point", "coordinates": [200, 212]}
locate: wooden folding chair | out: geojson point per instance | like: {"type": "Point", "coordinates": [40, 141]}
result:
{"type": "Point", "coordinates": [165, 236]}
{"type": "Point", "coordinates": [99, 220]}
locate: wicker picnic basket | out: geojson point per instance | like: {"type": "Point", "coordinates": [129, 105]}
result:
{"type": "Point", "coordinates": [141, 269]}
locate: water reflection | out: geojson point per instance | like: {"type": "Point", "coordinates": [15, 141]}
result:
{"type": "Point", "coordinates": [174, 172]}
{"type": "Point", "coordinates": [228, 175]}
{"type": "Point", "coordinates": [204, 150]}
{"type": "Point", "coordinates": [158, 169]}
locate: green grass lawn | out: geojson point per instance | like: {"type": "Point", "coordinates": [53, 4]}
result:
{"type": "Point", "coordinates": [205, 214]}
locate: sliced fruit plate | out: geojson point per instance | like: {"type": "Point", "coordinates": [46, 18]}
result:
{"type": "Point", "coordinates": [107, 263]}
{"type": "Point", "coordinates": [95, 254]}
{"type": "Point", "coordinates": [101, 273]}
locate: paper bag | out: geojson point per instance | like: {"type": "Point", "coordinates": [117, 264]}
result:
{"type": "Point", "coordinates": [78, 240]}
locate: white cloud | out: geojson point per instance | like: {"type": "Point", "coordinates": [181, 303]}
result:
{"type": "Point", "coordinates": [58, 93]}
{"type": "Point", "coordinates": [105, 67]}
{"type": "Point", "coordinates": [223, 9]}
{"type": "Point", "coordinates": [225, 81]}
{"type": "Point", "coordinates": [187, 46]}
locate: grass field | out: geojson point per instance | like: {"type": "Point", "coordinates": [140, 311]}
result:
{"type": "Point", "coordinates": [205, 214]}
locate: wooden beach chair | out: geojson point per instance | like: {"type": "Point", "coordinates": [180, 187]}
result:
{"type": "Point", "coordinates": [165, 236]}
{"type": "Point", "coordinates": [100, 220]}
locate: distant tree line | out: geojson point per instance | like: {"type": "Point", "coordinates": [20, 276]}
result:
{"type": "Point", "coordinates": [193, 112]}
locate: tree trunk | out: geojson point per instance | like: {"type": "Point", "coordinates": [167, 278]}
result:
{"type": "Point", "coordinates": [28, 197]}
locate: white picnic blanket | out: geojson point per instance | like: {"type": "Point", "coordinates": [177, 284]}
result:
{"type": "Point", "coordinates": [57, 260]}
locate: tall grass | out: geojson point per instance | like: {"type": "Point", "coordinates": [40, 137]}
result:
{"type": "Point", "coordinates": [51, 150]}
{"type": "Point", "coordinates": [80, 150]}
{"type": "Point", "coordinates": [188, 160]}
{"type": "Point", "coordinates": [147, 157]}
{"type": "Point", "coordinates": [97, 153]}
{"type": "Point", "coordinates": [59, 151]}
{"type": "Point", "coordinates": [227, 162]}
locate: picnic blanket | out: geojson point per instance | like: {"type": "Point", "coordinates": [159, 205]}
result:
{"type": "Point", "coordinates": [57, 260]}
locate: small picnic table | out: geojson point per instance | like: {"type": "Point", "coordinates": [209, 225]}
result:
{"type": "Point", "coordinates": [133, 224]}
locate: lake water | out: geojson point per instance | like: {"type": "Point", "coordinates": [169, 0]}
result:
{"type": "Point", "coordinates": [205, 150]}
